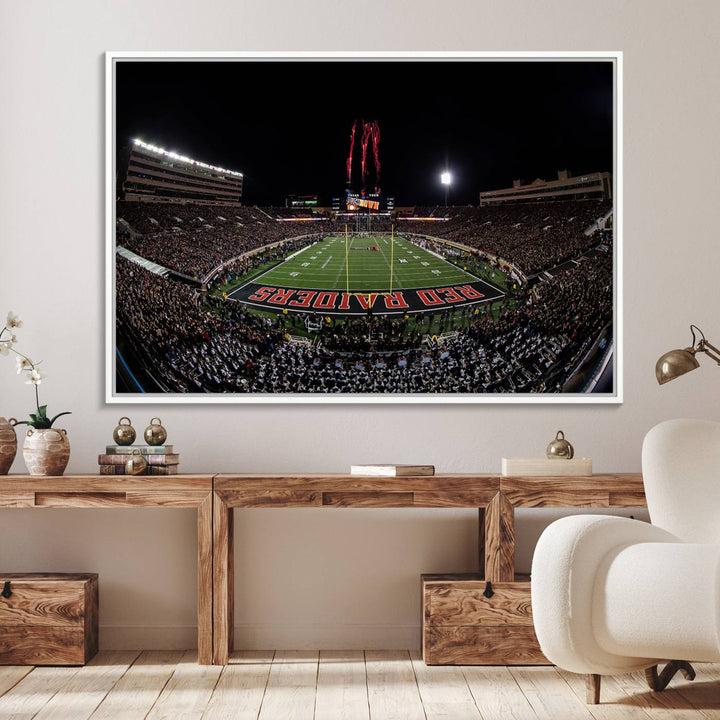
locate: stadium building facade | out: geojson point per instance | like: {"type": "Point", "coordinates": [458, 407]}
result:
{"type": "Point", "coordinates": [583, 187]}
{"type": "Point", "coordinates": [153, 174]}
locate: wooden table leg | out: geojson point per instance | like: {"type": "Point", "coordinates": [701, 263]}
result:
{"type": "Point", "coordinates": [499, 518]}
{"type": "Point", "coordinates": [205, 580]}
{"type": "Point", "coordinates": [481, 541]}
{"type": "Point", "coordinates": [223, 581]}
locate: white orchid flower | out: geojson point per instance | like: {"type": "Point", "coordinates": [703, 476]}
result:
{"type": "Point", "coordinates": [23, 364]}
{"type": "Point", "coordinates": [35, 377]}
{"type": "Point", "coordinates": [13, 320]}
{"type": "Point", "coordinates": [29, 371]}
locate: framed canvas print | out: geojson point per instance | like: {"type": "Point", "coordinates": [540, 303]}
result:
{"type": "Point", "coordinates": [427, 227]}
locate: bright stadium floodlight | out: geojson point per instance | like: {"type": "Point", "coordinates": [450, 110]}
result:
{"type": "Point", "coordinates": [183, 158]}
{"type": "Point", "coordinates": [446, 180]}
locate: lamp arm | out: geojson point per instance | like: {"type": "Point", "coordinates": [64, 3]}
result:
{"type": "Point", "coordinates": [710, 350]}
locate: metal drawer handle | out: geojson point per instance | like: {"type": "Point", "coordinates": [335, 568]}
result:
{"type": "Point", "coordinates": [6, 592]}
{"type": "Point", "coordinates": [488, 592]}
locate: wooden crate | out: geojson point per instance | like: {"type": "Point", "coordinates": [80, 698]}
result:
{"type": "Point", "coordinates": [463, 627]}
{"type": "Point", "coordinates": [48, 618]}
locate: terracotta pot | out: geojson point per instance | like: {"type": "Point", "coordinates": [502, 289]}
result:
{"type": "Point", "coordinates": [8, 444]}
{"type": "Point", "coordinates": [46, 452]}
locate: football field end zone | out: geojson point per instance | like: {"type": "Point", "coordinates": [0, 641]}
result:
{"type": "Point", "coordinates": [326, 267]}
{"type": "Point", "coordinates": [337, 303]}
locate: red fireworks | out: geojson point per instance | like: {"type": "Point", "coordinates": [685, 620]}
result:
{"type": "Point", "coordinates": [370, 135]}
{"type": "Point", "coordinates": [352, 145]}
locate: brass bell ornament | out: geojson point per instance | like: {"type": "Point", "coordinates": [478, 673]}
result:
{"type": "Point", "coordinates": [135, 464]}
{"type": "Point", "coordinates": [155, 433]}
{"type": "Point", "coordinates": [560, 448]}
{"type": "Point", "coordinates": [124, 433]}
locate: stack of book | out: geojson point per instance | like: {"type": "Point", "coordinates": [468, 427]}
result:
{"type": "Point", "coordinates": [547, 467]}
{"type": "Point", "coordinates": [160, 459]}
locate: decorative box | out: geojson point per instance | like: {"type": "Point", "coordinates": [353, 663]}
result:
{"type": "Point", "coordinates": [467, 621]}
{"type": "Point", "coordinates": [48, 618]}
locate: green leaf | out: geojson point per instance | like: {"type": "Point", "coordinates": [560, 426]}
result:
{"type": "Point", "coordinates": [42, 411]}
{"type": "Point", "coordinates": [37, 424]}
{"type": "Point", "coordinates": [67, 412]}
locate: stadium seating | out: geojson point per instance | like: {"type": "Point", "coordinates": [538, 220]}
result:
{"type": "Point", "coordinates": [533, 237]}
{"type": "Point", "coordinates": [220, 347]}
{"type": "Point", "coordinates": [192, 342]}
{"type": "Point", "coordinates": [193, 239]}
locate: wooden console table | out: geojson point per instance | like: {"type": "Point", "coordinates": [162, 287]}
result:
{"type": "Point", "coordinates": [215, 498]}
{"type": "Point", "coordinates": [124, 491]}
{"type": "Point", "coordinates": [495, 497]}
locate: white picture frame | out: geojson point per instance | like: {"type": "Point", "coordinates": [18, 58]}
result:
{"type": "Point", "coordinates": [612, 356]}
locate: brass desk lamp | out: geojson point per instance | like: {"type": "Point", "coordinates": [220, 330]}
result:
{"type": "Point", "coordinates": [677, 362]}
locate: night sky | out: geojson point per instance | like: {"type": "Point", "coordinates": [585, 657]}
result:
{"type": "Point", "coordinates": [286, 124]}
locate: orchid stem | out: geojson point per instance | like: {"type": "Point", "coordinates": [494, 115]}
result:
{"type": "Point", "coordinates": [25, 357]}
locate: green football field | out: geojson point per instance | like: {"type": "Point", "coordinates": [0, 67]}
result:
{"type": "Point", "coordinates": [323, 266]}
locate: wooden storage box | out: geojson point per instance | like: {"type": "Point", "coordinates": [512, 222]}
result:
{"type": "Point", "coordinates": [461, 626]}
{"type": "Point", "coordinates": [48, 618]}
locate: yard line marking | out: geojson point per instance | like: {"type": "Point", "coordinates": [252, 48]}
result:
{"type": "Point", "coordinates": [341, 267]}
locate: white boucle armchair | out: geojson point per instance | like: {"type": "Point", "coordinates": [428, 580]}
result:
{"type": "Point", "coordinates": [613, 595]}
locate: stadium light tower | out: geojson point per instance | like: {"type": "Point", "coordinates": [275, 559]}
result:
{"type": "Point", "coordinates": [446, 180]}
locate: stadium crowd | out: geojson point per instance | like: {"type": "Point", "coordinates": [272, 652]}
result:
{"type": "Point", "coordinates": [192, 344]}
{"type": "Point", "coordinates": [195, 239]}
{"type": "Point", "coordinates": [533, 237]}
{"type": "Point", "coordinates": [190, 341]}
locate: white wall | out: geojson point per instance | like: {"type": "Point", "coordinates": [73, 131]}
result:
{"type": "Point", "coordinates": [318, 577]}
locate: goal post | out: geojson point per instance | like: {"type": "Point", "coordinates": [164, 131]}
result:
{"type": "Point", "coordinates": [372, 293]}
{"type": "Point", "coordinates": [392, 255]}
{"type": "Point", "coordinates": [347, 261]}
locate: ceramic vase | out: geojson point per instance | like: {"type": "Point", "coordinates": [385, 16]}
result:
{"type": "Point", "coordinates": [8, 445]}
{"type": "Point", "coordinates": [46, 452]}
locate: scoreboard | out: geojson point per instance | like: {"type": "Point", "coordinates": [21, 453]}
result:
{"type": "Point", "coordinates": [363, 202]}
{"type": "Point", "coordinates": [301, 201]}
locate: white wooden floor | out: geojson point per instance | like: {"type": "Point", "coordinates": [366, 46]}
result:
{"type": "Point", "coordinates": [370, 685]}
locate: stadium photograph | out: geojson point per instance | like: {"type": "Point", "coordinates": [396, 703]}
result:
{"type": "Point", "coordinates": [355, 228]}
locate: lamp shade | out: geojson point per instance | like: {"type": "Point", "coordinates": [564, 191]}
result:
{"type": "Point", "coordinates": [675, 363]}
